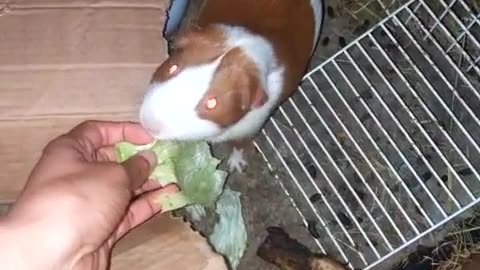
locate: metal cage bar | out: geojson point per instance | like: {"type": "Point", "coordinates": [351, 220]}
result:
{"type": "Point", "coordinates": [390, 170]}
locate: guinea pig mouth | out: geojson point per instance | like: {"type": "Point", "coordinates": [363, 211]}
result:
{"type": "Point", "coordinates": [153, 131]}
{"type": "Point", "coordinates": [159, 134]}
{"type": "Point", "coordinates": [153, 128]}
{"type": "Point", "coordinates": [182, 135]}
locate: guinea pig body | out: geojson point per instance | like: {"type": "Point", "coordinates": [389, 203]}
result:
{"type": "Point", "coordinates": [229, 71]}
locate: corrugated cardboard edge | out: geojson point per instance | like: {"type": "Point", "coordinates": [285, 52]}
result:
{"type": "Point", "coordinates": [215, 261]}
{"type": "Point", "coordinates": [47, 90]}
{"type": "Point", "coordinates": [161, 243]}
{"type": "Point", "coordinates": [164, 242]}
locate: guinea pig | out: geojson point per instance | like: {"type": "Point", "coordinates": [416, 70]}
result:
{"type": "Point", "coordinates": [230, 69]}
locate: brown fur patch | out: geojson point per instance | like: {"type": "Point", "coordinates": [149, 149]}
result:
{"type": "Point", "coordinates": [191, 47]}
{"type": "Point", "coordinates": [236, 88]}
{"type": "Point", "coordinates": [287, 24]}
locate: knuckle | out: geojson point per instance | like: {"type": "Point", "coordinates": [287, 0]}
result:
{"type": "Point", "coordinates": [84, 126]}
{"type": "Point", "coordinates": [121, 173]}
{"type": "Point", "coordinates": [58, 141]}
{"type": "Point", "coordinates": [126, 173]}
{"type": "Point", "coordinates": [137, 166]}
{"type": "Point", "coordinates": [88, 123]}
{"type": "Point", "coordinates": [114, 173]}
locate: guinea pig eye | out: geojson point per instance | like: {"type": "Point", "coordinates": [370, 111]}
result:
{"type": "Point", "coordinates": [173, 68]}
{"type": "Point", "coordinates": [211, 103]}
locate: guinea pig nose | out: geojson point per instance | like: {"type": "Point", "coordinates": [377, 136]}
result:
{"type": "Point", "coordinates": [154, 129]}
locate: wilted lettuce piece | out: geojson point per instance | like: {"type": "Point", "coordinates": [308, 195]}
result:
{"type": "Point", "coordinates": [173, 201]}
{"type": "Point", "coordinates": [196, 211]}
{"type": "Point", "coordinates": [165, 173]}
{"type": "Point", "coordinates": [189, 164]}
{"type": "Point", "coordinates": [197, 174]}
{"type": "Point", "coordinates": [125, 150]}
{"type": "Point", "coordinates": [229, 236]}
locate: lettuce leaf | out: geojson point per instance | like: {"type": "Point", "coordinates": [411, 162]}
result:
{"type": "Point", "coordinates": [196, 211]}
{"type": "Point", "coordinates": [229, 236]}
{"type": "Point", "coordinates": [189, 164]}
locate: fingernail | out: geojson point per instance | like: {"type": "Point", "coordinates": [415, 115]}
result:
{"type": "Point", "coordinates": [150, 157]}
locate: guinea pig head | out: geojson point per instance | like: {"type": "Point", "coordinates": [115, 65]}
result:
{"type": "Point", "coordinates": [203, 87]}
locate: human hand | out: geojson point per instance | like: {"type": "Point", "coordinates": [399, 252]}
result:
{"type": "Point", "coordinates": [78, 201]}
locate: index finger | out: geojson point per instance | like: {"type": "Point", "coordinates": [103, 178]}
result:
{"type": "Point", "coordinates": [108, 133]}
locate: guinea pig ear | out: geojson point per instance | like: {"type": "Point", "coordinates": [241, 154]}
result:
{"type": "Point", "coordinates": [210, 38]}
{"type": "Point", "coordinates": [259, 98]}
{"type": "Point", "coordinates": [242, 73]}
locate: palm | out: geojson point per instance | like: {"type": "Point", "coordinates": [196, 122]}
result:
{"type": "Point", "coordinates": [92, 200]}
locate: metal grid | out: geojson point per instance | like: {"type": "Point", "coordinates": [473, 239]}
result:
{"type": "Point", "coordinates": [380, 145]}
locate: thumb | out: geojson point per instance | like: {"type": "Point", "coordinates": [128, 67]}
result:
{"type": "Point", "coordinates": [139, 167]}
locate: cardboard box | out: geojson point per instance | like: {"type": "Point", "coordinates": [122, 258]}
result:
{"type": "Point", "coordinates": [63, 62]}
{"type": "Point", "coordinates": [165, 243]}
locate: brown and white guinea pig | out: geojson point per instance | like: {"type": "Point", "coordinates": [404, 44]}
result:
{"type": "Point", "coordinates": [228, 72]}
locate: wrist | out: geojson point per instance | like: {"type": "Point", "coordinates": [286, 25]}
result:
{"type": "Point", "coordinates": [33, 245]}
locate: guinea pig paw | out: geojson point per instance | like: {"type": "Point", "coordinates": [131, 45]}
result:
{"type": "Point", "coordinates": [236, 161]}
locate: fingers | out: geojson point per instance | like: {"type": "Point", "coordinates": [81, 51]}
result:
{"type": "Point", "coordinates": [101, 133]}
{"type": "Point", "coordinates": [107, 153]}
{"type": "Point", "coordinates": [138, 168]}
{"type": "Point", "coordinates": [84, 140]}
{"type": "Point", "coordinates": [148, 186]}
{"type": "Point", "coordinates": [140, 211]}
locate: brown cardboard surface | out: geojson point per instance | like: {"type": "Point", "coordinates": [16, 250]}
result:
{"type": "Point", "coordinates": [165, 243]}
{"type": "Point", "coordinates": [62, 62]}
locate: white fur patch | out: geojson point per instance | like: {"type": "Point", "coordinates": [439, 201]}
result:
{"type": "Point", "coordinates": [168, 109]}
{"type": "Point", "coordinates": [317, 6]}
{"type": "Point", "coordinates": [261, 52]}
{"type": "Point", "coordinates": [236, 161]}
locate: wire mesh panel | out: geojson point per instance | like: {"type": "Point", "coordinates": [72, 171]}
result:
{"type": "Point", "coordinates": [380, 145]}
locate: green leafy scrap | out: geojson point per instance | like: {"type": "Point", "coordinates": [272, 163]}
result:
{"type": "Point", "coordinates": [189, 164]}
{"type": "Point", "coordinates": [229, 236]}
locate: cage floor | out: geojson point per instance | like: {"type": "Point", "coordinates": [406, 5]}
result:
{"type": "Point", "coordinates": [380, 145]}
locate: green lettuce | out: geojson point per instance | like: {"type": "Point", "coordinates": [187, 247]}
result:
{"type": "Point", "coordinates": [189, 164]}
{"type": "Point", "coordinates": [196, 211]}
{"type": "Point", "coordinates": [229, 236]}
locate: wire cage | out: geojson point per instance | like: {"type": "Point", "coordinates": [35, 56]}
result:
{"type": "Point", "coordinates": [380, 145]}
